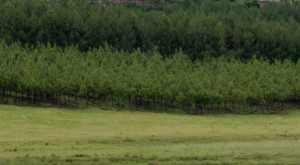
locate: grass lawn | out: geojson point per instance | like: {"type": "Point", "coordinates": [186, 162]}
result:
{"type": "Point", "coordinates": [60, 136]}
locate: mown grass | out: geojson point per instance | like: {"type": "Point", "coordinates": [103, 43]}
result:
{"type": "Point", "coordinates": [91, 136]}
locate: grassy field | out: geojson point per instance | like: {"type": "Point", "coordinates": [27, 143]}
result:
{"type": "Point", "coordinates": [60, 136]}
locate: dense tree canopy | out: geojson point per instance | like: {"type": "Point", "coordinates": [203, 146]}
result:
{"type": "Point", "coordinates": [107, 71]}
{"type": "Point", "coordinates": [198, 28]}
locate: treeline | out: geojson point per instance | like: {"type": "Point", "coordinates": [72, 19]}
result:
{"type": "Point", "coordinates": [49, 74]}
{"type": "Point", "coordinates": [198, 28]}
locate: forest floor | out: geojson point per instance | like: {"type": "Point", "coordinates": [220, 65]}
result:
{"type": "Point", "coordinates": [91, 136]}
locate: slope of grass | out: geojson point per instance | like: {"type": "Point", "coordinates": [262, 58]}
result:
{"type": "Point", "coordinates": [59, 136]}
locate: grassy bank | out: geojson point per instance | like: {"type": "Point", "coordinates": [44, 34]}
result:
{"type": "Point", "coordinates": [60, 136]}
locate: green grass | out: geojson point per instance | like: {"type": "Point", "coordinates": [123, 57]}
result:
{"type": "Point", "coordinates": [59, 136]}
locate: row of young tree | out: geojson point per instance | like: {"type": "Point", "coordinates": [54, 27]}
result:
{"type": "Point", "coordinates": [51, 75]}
{"type": "Point", "coordinates": [199, 28]}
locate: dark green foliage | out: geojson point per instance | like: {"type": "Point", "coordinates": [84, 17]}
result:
{"type": "Point", "coordinates": [199, 28]}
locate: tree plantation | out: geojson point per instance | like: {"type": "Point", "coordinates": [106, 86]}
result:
{"type": "Point", "coordinates": [188, 56]}
{"type": "Point", "coordinates": [106, 77]}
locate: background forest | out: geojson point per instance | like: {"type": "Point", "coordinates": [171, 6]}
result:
{"type": "Point", "coordinates": [199, 27]}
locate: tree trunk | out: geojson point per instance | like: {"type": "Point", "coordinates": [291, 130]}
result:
{"type": "Point", "coordinates": [118, 100]}
{"type": "Point", "coordinates": [87, 100]}
{"type": "Point", "coordinates": [65, 100]}
{"type": "Point", "coordinates": [7, 97]}
{"type": "Point", "coordinates": [129, 101]}
{"type": "Point", "coordinates": [45, 97]}
{"type": "Point", "coordinates": [105, 101]}
{"type": "Point", "coordinates": [21, 97]}
{"type": "Point", "coordinates": [161, 104]}
{"type": "Point", "coordinates": [76, 101]}
{"type": "Point", "coordinates": [166, 105]}
{"type": "Point", "coordinates": [154, 103]}
{"type": "Point", "coordinates": [32, 97]}
{"type": "Point", "coordinates": [112, 100]}
{"type": "Point", "coordinates": [58, 99]}
{"type": "Point", "coordinates": [99, 101]}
